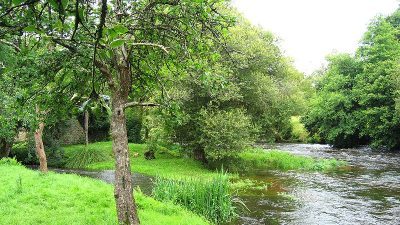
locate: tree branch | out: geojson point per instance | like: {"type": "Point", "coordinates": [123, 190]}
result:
{"type": "Point", "coordinates": [11, 44]}
{"type": "Point", "coordinates": [162, 47]}
{"type": "Point", "coordinates": [8, 11]}
{"type": "Point", "coordinates": [134, 104]}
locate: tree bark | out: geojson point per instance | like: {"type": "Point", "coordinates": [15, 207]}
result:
{"type": "Point", "coordinates": [40, 148]}
{"type": "Point", "coordinates": [125, 202]}
{"type": "Point", "coordinates": [5, 148]}
{"type": "Point", "coordinates": [86, 125]}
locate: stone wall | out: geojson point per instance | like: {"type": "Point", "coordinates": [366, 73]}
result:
{"type": "Point", "coordinates": [73, 133]}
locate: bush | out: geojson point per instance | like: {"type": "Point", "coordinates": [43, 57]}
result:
{"type": "Point", "coordinates": [225, 133]}
{"type": "Point", "coordinates": [299, 132]}
{"type": "Point", "coordinates": [9, 162]}
{"type": "Point", "coordinates": [209, 199]}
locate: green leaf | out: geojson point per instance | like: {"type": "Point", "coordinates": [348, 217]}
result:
{"type": "Point", "coordinates": [17, 2]}
{"type": "Point", "coordinates": [81, 14]}
{"type": "Point", "coordinates": [64, 3]}
{"type": "Point", "coordinates": [30, 28]}
{"type": "Point", "coordinates": [53, 4]}
{"type": "Point", "coordinates": [120, 29]}
{"type": "Point", "coordinates": [117, 43]}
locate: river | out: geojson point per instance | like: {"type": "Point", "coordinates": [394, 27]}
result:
{"type": "Point", "coordinates": [365, 192]}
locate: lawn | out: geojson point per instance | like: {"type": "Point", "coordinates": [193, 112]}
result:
{"type": "Point", "coordinates": [30, 197]}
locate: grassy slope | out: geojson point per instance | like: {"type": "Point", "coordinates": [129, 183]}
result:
{"type": "Point", "coordinates": [69, 199]}
{"type": "Point", "coordinates": [164, 165]}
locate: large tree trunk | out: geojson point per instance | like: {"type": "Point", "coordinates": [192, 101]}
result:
{"type": "Point", "coordinates": [40, 148]}
{"type": "Point", "coordinates": [126, 207]}
{"type": "Point", "coordinates": [5, 148]}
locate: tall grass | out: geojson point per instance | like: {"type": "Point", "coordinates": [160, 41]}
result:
{"type": "Point", "coordinates": [276, 159]}
{"type": "Point", "coordinates": [210, 199]}
{"type": "Point", "coordinates": [85, 156]}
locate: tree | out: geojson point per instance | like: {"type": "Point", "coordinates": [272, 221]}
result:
{"type": "Point", "coordinates": [331, 113]}
{"type": "Point", "coordinates": [9, 115]}
{"type": "Point", "coordinates": [134, 44]}
{"type": "Point", "coordinates": [356, 97]}
{"type": "Point", "coordinates": [250, 73]}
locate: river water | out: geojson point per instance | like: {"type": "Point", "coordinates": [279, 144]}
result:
{"type": "Point", "coordinates": [365, 192]}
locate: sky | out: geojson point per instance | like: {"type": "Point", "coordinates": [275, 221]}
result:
{"type": "Point", "coordinates": [309, 30]}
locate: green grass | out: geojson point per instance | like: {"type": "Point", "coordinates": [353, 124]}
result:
{"type": "Point", "coordinates": [281, 160]}
{"type": "Point", "coordinates": [165, 165]}
{"type": "Point", "coordinates": [210, 199]}
{"type": "Point", "coordinates": [29, 197]}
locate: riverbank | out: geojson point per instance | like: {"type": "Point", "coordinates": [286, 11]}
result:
{"type": "Point", "coordinates": [172, 165]}
{"type": "Point", "coordinates": [30, 197]}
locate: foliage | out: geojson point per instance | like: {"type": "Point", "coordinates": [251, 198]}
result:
{"type": "Point", "coordinates": [9, 162]}
{"type": "Point", "coordinates": [209, 199]}
{"type": "Point", "coordinates": [356, 96]}
{"type": "Point", "coordinates": [271, 89]}
{"type": "Point", "coordinates": [225, 133]}
{"type": "Point", "coordinates": [330, 114]}
{"type": "Point", "coordinates": [250, 78]}
{"type": "Point", "coordinates": [299, 132]}
{"type": "Point", "coordinates": [84, 200]}
{"type": "Point", "coordinates": [134, 123]}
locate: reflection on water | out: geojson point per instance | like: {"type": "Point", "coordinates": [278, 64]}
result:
{"type": "Point", "coordinates": [368, 192]}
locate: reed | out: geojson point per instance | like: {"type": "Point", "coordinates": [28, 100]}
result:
{"type": "Point", "coordinates": [210, 199]}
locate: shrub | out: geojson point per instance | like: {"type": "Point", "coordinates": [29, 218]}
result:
{"type": "Point", "coordinates": [9, 162]}
{"type": "Point", "coordinates": [225, 133]}
{"type": "Point", "coordinates": [299, 132]}
{"type": "Point", "coordinates": [209, 199]}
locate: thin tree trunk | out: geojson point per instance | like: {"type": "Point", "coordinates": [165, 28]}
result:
{"type": "Point", "coordinates": [125, 202]}
{"type": "Point", "coordinates": [40, 148]}
{"type": "Point", "coordinates": [39, 145]}
{"type": "Point", "coordinates": [5, 148]}
{"type": "Point", "coordinates": [86, 128]}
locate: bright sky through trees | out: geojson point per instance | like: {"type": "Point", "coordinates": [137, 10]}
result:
{"type": "Point", "coordinates": [311, 29]}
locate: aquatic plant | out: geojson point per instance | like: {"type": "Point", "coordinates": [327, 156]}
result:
{"type": "Point", "coordinates": [210, 199]}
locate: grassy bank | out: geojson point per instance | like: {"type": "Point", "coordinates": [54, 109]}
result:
{"type": "Point", "coordinates": [171, 166]}
{"type": "Point", "coordinates": [281, 160]}
{"type": "Point", "coordinates": [29, 197]}
{"type": "Point", "coordinates": [99, 157]}
{"type": "Point", "coordinates": [165, 165]}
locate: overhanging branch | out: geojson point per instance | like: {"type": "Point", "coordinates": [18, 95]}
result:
{"type": "Point", "coordinates": [10, 44]}
{"type": "Point", "coordinates": [162, 47]}
{"type": "Point", "coordinates": [143, 104]}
